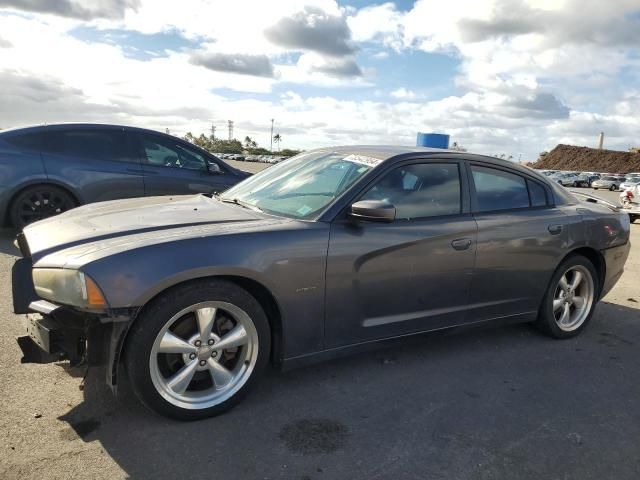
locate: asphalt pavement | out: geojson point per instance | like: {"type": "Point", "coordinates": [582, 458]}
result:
{"type": "Point", "coordinates": [496, 403]}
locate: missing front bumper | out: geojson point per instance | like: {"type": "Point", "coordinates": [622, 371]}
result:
{"type": "Point", "coordinates": [47, 340]}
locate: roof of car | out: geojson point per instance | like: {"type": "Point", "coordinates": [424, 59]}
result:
{"type": "Point", "coordinates": [384, 152]}
{"type": "Point", "coordinates": [78, 125]}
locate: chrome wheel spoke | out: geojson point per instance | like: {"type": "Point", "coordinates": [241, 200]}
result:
{"type": "Point", "coordinates": [577, 278]}
{"type": "Point", "coordinates": [219, 374]}
{"type": "Point", "coordinates": [563, 283]}
{"type": "Point", "coordinates": [206, 318]}
{"type": "Point", "coordinates": [557, 304]}
{"type": "Point", "coordinates": [566, 314]}
{"type": "Point", "coordinates": [579, 302]}
{"type": "Point", "coordinates": [181, 380]}
{"type": "Point", "coordinates": [171, 343]}
{"type": "Point", "coordinates": [235, 338]}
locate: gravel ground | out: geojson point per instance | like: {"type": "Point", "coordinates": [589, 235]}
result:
{"type": "Point", "coordinates": [499, 403]}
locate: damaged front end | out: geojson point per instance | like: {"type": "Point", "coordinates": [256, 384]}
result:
{"type": "Point", "coordinates": [58, 332]}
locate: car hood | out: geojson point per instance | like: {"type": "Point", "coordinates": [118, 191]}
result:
{"type": "Point", "coordinates": [149, 217]}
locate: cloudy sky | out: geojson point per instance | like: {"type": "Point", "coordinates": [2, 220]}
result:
{"type": "Point", "coordinates": [512, 76]}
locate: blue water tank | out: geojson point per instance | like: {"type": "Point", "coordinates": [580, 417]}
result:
{"type": "Point", "coordinates": [433, 140]}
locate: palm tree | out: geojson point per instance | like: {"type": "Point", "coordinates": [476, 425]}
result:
{"type": "Point", "coordinates": [277, 138]}
{"type": "Point", "coordinates": [248, 142]}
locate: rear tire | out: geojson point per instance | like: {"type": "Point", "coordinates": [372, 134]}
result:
{"type": "Point", "coordinates": [613, 188]}
{"type": "Point", "coordinates": [39, 202]}
{"type": "Point", "coordinates": [570, 299]}
{"type": "Point", "coordinates": [171, 357]}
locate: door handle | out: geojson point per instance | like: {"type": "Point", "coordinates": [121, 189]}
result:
{"type": "Point", "coordinates": [461, 243]}
{"type": "Point", "coordinates": [554, 229]}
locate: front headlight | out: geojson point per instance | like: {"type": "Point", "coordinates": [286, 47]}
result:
{"type": "Point", "coordinates": [67, 287]}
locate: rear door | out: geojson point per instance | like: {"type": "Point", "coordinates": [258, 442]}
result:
{"type": "Point", "coordinates": [521, 236]}
{"type": "Point", "coordinates": [99, 163]}
{"type": "Point", "coordinates": [171, 167]}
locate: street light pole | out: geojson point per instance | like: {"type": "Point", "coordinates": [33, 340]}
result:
{"type": "Point", "coordinates": [271, 135]}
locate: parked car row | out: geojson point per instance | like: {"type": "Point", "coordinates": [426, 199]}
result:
{"type": "Point", "coordinates": [595, 180]}
{"type": "Point", "coordinates": [47, 170]}
{"type": "Point", "coordinates": [251, 158]}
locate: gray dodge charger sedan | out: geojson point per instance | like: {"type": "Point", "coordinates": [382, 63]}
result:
{"type": "Point", "coordinates": [325, 254]}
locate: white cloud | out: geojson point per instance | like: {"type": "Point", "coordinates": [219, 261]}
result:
{"type": "Point", "coordinates": [403, 93]}
{"type": "Point", "coordinates": [531, 73]}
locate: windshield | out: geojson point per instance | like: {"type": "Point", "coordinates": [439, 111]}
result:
{"type": "Point", "coordinates": [610, 179]}
{"type": "Point", "coordinates": [303, 186]}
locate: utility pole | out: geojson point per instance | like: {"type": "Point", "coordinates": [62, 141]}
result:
{"type": "Point", "coordinates": [271, 137]}
{"type": "Point", "coordinates": [230, 123]}
{"type": "Point", "coordinates": [213, 132]}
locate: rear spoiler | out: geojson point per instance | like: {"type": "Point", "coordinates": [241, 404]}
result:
{"type": "Point", "coordinates": [593, 199]}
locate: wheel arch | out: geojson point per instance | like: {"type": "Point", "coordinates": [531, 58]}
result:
{"type": "Point", "coordinates": [261, 293]}
{"type": "Point", "coordinates": [596, 258]}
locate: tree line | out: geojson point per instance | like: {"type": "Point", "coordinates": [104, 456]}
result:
{"type": "Point", "coordinates": [249, 146]}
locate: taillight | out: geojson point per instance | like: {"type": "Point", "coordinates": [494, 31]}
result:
{"type": "Point", "coordinates": [629, 193]}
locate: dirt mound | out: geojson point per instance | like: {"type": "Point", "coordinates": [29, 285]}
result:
{"type": "Point", "coordinates": [568, 157]}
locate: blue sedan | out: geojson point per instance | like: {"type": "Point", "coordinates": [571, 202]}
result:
{"type": "Point", "coordinates": [47, 170]}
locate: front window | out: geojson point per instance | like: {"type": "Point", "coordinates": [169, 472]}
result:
{"type": "Point", "coordinates": [303, 186]}
{"type": "Point", "coordinates": [420, 190]}
{"type": "Point", "coordinates": [160, 152]}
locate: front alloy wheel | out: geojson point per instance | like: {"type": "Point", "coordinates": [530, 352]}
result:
{"type": "Point", "coordinates": [203, 355]}
{"type": "Point", "coordinates": [195, 351]}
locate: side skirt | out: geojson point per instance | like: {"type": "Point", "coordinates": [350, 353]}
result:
{"type": "Point", "coordinates": [339, 352]}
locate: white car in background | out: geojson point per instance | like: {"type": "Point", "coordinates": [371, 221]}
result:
{"type": "Point", "coordinates": [630, 182]}
{"type": "Point", "coordinates": [572, 179]}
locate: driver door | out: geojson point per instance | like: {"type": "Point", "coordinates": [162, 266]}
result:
{"type": "Point", "coordinates": [172, 168]}
{"type": "Point", "coordinates": [410, 275]}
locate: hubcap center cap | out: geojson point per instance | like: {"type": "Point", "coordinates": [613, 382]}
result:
{"type": "Point", "coordinates": [204, 352]}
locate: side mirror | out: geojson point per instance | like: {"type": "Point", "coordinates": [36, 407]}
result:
{"type": "Point", "coordinates": [373, 211]}
{"type": "Point", "coordinates": [213, 168]}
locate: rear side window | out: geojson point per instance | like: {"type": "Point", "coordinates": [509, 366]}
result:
{"type": "Point", "coordinates": [26, 141]}
{"type": "Point", "coordinates": [499, 190]}
{"type": "Point", "coordinates": [537, 194]}
{"type": "Point", "coordinates": [110, 145]}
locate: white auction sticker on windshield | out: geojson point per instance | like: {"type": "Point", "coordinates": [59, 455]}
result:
{"type": "Point", "coordinates": [363, 160]}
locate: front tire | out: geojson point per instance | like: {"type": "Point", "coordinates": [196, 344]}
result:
{"type": "Point", "coordinates": [570, 299]}
{"type": "Point", "coordinates": [197, 350]}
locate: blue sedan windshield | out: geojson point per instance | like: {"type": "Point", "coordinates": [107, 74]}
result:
{"type": "Point", "coordinates": [302, 186]}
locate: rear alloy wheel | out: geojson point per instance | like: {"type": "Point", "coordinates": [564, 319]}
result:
{"type": "Point", "coordinates": [39, 202]}
{"type": "Point", "coordinates": [195, 353]}
{"type": "Point", "coordinates": [570, 299]}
